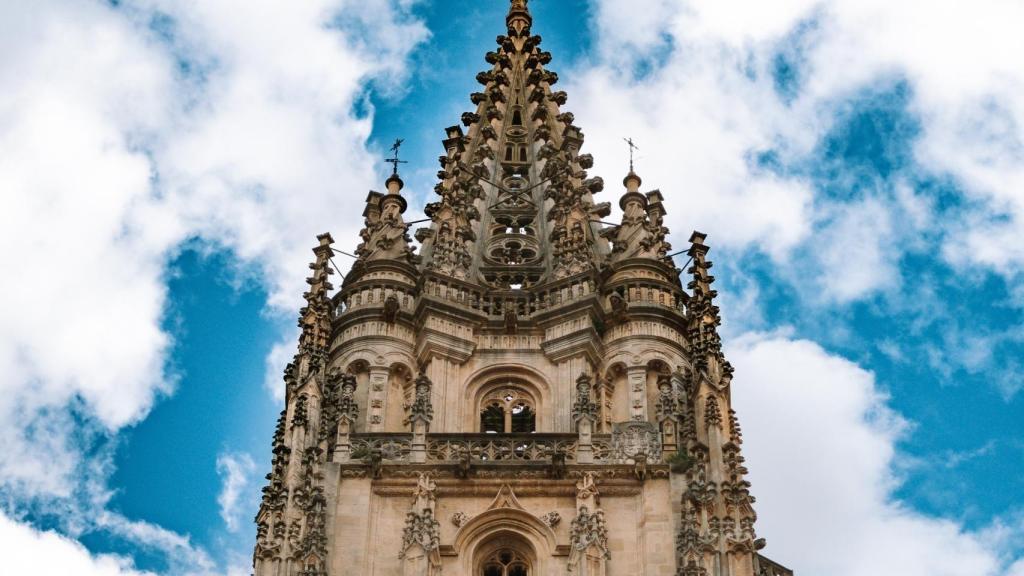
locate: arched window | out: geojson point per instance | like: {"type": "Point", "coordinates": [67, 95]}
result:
{"type": "Point", "coordinates": [508, 410]}
{"type": "Point", "coordinates": [506, 563]}
{"type": "Point", "coordinates": [517, 118]}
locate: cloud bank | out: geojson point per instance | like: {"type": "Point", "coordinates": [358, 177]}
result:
{"type": "Point", "coordinates": [820, 444]}
{"type": "Point", "coordinates": [128, 130]}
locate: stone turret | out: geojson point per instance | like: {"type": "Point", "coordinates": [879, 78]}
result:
{"type": "Point", "coordinates": [447, 410]}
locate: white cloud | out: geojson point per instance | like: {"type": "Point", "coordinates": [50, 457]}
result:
{"type": "Point", "coordinates": [128, 130]}
{"type": "Point", "coordinates": [235, 471]}
{"type": "Point", "coordinates": [820, 444]}
{"type": "Point", "coordinates": [853, 251]}
{"type": "Point", "coordinates": [30, 551]}
{"type": "Point", "coordinates": [692, 81]}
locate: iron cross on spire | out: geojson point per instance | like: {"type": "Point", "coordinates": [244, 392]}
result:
{"type": "Point", "coordinates": [632, 148]}
{"type": "Point", "coordinates": [395, 161]}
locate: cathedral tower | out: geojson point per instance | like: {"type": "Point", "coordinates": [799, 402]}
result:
{"type": "Point", "coordinates": [536, 393]}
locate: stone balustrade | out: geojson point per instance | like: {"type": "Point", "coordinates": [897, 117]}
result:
{"type": "Point", "coordinates": [496, 448]}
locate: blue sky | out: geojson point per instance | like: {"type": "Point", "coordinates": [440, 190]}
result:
{"type": "Point", "coordinates": [858, 167]}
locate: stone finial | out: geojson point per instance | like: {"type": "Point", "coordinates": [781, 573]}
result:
{"type": "Point", "coordinates": [583, 407]}
{"type": "Point", "coordinates": [642, 233]}
{"type": "Point", "coordinates": [348, 408]}
{"type": "Point", "coordinates": [422, 408]}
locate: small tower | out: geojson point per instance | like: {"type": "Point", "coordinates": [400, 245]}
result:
{"type": "Point", "coordinates": [536, 392]}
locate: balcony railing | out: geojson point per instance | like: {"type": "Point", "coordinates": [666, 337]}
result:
{"type": "Point", "coordinates": [496, 448]}
{"type": "Point", "coordinates": [501, 447]}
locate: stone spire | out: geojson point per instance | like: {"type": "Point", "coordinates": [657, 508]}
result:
{"type": "Point", "coordinates": [516, 208]}
{"type": "Point", "coordinates": [642, 232]}
{"type": "Point", "coordinates": [703, 316]}
{"type": "Point", "coordinates": [293, 529]}
{"type": "Point", "coordinates": [315, 316]}
{"type": "Point", "coordinates": [385, 235]}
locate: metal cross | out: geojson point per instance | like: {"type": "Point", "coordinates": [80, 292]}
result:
{"type": "Point", "coordinates": [395, 161]}
{"type": "Point", "coordinates": [632, 147]}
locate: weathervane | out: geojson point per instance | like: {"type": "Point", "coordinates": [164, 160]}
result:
{"type": "Point", "coordinates": [632, 147]}
{"type": "Point", "coordinates": [395, 161]}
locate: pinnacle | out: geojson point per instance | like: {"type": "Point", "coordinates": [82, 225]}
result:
{"type": "Point", "coordinates": [632, 181]}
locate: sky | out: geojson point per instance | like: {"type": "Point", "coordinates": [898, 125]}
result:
{"type": "Point", "coordinates": [858, 166]}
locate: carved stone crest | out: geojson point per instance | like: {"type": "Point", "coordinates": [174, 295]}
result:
{"type": "Point", "coordinates": [630, 440]}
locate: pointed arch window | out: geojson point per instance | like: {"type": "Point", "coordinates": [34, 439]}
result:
{"type": "Point", "coordinates": [506, 563]}
{"type": "Point", "coordinates": [508, 411]}
{"type": "Point", "coordinates": [517, 118]}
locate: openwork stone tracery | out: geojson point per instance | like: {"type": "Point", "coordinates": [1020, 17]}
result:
{"type": "Point", "coordinates": [531, 391]}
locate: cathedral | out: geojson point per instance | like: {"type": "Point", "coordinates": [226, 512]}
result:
{"type": "Point", "coordinates": [537, 392]}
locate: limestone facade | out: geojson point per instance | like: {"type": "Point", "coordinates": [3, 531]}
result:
{"type": "Point", "coordinates": [535, 393]}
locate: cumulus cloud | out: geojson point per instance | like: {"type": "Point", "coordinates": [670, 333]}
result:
{"type": "Point", "coordinates": [734, 99]}
{"type": "Point", "coordinates": [30, 551]}
{"type": "Point", "coordinates": [127, 129]}
{"type": "Point", "coordinates": [820, 443]}
{"type": "Point", "coordinates": [235, 471]}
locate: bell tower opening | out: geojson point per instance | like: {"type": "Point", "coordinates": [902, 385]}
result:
{"type": "Point", "coordinates": [508, 410]}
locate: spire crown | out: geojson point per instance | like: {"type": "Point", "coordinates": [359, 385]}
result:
{"type": "Point", "coordinates": [518, 18]}
{"type": "Point", "coordinates": [632, 182]}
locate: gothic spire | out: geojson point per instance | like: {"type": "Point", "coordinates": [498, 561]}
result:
{"type": "Point", "coordinates": [516, 207]}
{"type": "Point", "coordinates": [702, 313]}
{"type": "Point", "coordinates": [315, 316]}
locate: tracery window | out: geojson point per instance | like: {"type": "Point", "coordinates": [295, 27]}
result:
{"type": "Point", "coordinates": [506, 563]}
{"type": "Point", "coordinates": [508, 410]}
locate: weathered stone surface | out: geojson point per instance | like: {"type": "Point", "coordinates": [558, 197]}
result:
{"type": "Point", "coordinates": [537, 391]}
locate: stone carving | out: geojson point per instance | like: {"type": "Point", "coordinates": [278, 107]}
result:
{"type": "Point", "coordinates": [666, 403]}
{"type": "Point", "coordinates": [636, 441]}
{"type": "Point", "coordinates": [583, 407]}
{"type": "Point", "coordinates": [391, 307]}
{"type": "Point", "coordinates": [424, 498]}
{"type": "Point", "coordinates": [459, 519]}
{"type": "Point", "coordinates": [348, 408]}
{"type": "Point", "coordinates": [422, 408]}
{"type": "Point", "coordinates": [589, 529]}
{"type": "Point", "coordinates": [551, 519]}
{"type": "Point", "coordinates": [588, 533]}
{"type": "Point", "coordinates": [389, 448]}
{"type": "Point", "coordinates": [420, 529]}
{"type": "Point", "coordinates": [385, 236]}
{"type": "Point", "coordinates": [491, 448]}
{"type": "Point", "coordinates": [586, 492]}
{"type": "Point", "coordinates": [712, 415]}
